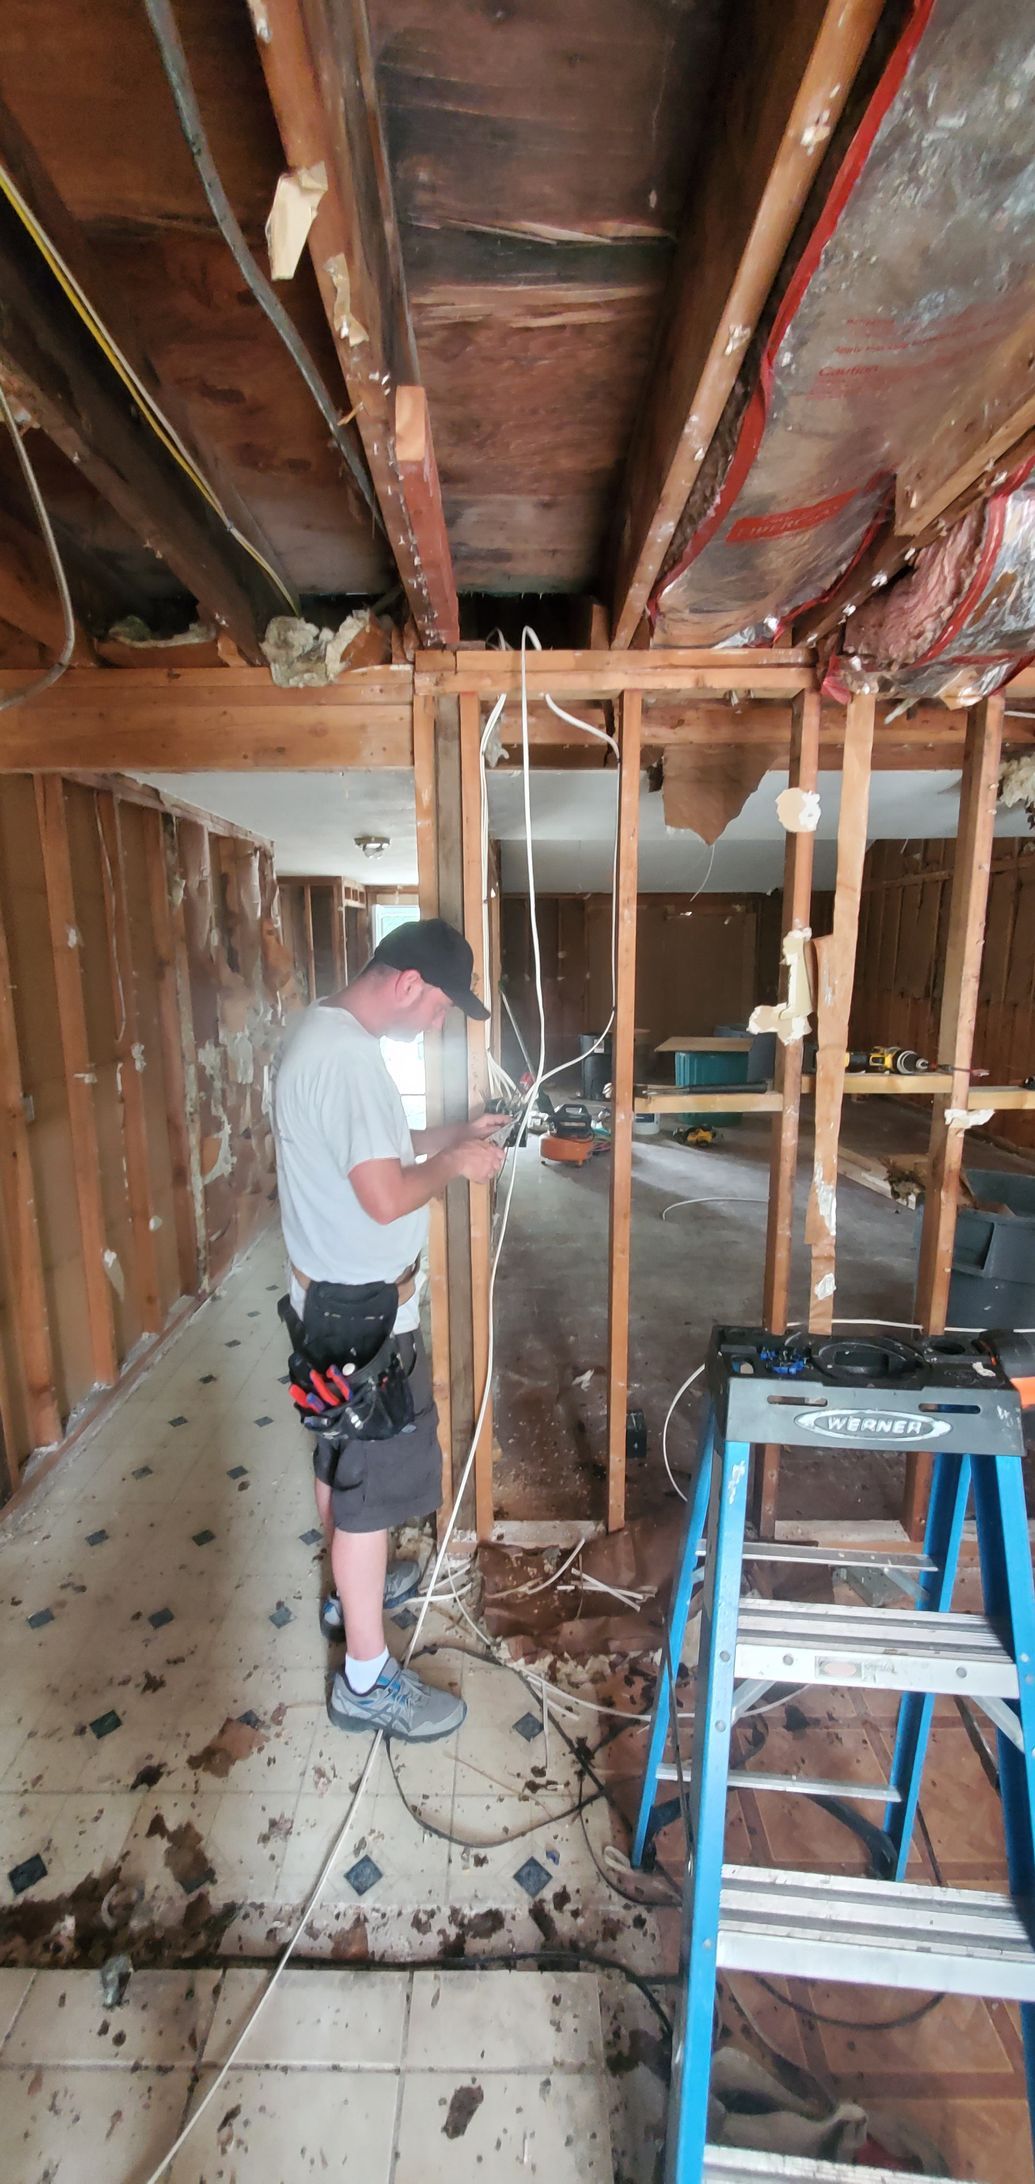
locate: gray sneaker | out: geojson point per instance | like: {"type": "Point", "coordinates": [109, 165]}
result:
{"type": "Point", "coordinates": [400, 1704]}
{"type": "Point", "coordinates": [401, 1583]}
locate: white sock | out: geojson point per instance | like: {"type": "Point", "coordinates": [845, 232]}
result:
{"type": "Point", "coordinates": [361, 1676]}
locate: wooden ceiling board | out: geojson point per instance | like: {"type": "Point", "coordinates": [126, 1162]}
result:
{"type": "Point", "coordinates": [101, 119]}
{"type": "Point", "coordinates": [541, 158]}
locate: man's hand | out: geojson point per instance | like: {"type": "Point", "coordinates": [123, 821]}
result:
{"type": "Point", "coordinates": [476, 1160]}
{"type": "Point", "coordinates": [488, 1126]}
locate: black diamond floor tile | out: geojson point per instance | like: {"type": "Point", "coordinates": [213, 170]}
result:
{"type": "Point", "coordinates": [249, 1719]}
{"type": "Point", "coordinates": [532, 1877]}
{"type": "Point", "coordinates": [207, 1379]}
{"type": "Point", "coordinates": [179, 1420]}
{"type": "Point", "coordinates": [143, 1471]}
{"type": "Point", "coordinates": [405, 1619]}
{"type": "Point", "coordinates": [529, 1727]}
{"type": "Point", "coordinates": [160, 1618]}
{"type": "Point", "coordinates": [237, 1471]}
{"type": "Point", "coordinates": [264, 1421]}
{"type": "Point", "coordinates": [281, 1615]}
{"type": "Point", "coordinates": [27, 1874]}
{"type": "Point", "coordinates": [42, 1615]}
{"type": "Point", "coordinates": [105, 1723]}
{"type": "Point", "coordinates": [96, 1539]}
{"type": "Point", "coordinates": [201, 1539]}
{"type": "Point", "coordinates": [363, 1876]}
{"type": "Point", "coordinates": [310, 1538]}
{"type": "Point", "coordinates": [234, 1343]}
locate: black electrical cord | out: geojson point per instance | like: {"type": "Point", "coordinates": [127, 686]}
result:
{"type": "Point", "coordinates": [583, 1757]}
{"type": "Point", "coordinates": [177, 72]}
{"type": "Point", "coordinates": [544, 1960]}
{"type": "Point", "coordinates": [852, 2024]}
{"type": "Point", "coordinates": [491, 1842]}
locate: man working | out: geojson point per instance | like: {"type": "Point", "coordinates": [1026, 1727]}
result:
{"type": "Point", "coordinates": [355, 1183]}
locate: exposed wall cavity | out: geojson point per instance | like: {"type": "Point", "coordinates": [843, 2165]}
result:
{"type": "Point", "coordinates": [138, 1024]}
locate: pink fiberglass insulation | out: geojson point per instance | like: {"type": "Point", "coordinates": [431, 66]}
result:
{"type": "Point", "coordinates": [957, 624]}
{"type": "Point", "coordinates": [919, 268]}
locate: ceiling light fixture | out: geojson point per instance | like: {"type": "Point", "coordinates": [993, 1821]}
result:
{"type": "Point", "coordinates": [372, 845]}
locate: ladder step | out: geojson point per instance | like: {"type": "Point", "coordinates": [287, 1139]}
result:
{"type": "Point", "coordinates": [751, 1778]}
{"type": "Point", "coordinates": [874, 1933]}
{"type": "Point", "coordinates": [889, 1649]}
{"type": "Point", "coordinates": [910, 1564]}
{"type": "Point", "coordinates": [739, 2165]}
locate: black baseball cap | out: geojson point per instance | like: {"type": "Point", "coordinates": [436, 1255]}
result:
{"type": "Point", "coordinates": [440, 955]}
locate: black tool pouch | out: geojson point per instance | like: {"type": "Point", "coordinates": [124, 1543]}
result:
{"type": "Point", "coordinates": [351, 1327]}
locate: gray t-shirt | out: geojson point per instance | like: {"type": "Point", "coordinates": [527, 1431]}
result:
{"type": "Point", "coordinates": [334, 1106]}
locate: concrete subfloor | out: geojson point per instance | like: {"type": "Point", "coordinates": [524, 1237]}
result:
{"type": "Point", "coordinates": [700, 1265]}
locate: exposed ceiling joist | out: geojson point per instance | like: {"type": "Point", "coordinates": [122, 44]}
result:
{"type": "Point", "coordinates": [792, 69]}
{"type": "Point", "coordinates": [28, 594]}
{"type": "Point", "coordinates": [62, 380]}
{"type": "Point", "coordinates": [320, 77]}
{"type": "Point", "coordinates": [251, 598]}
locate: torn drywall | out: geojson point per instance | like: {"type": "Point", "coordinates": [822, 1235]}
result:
{"type": "Point", "coordinates": [705, 789]}
{"type": "Point", "coordinates": [304, 657]}
{"type": "Point", "coordinates": [296, 202]}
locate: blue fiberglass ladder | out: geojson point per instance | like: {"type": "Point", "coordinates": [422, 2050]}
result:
{"type": "Point", "coordinates": [818, 1393]}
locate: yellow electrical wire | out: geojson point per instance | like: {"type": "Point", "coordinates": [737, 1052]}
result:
{"type": "Point", "coordinates": [155, 417]}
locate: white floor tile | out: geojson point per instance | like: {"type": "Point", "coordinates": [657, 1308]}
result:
{"type": "Point", "coordinates": [506, 2021]}
{"type": "Point", "coordinates": [265, 2127]}
{"type": "Point", "coordinates": [163, 2020]}
{"type": "Point", "coordinates": [75, 1835]}
{"type": "Point", "coordinates": [465, 2128]}
{"type": "Point", "coordinates": [75, 2126]}
{"type": "Point", "coordinates": [341, 2020]}
{"type": "Point", "coordinates": [14, 1986]}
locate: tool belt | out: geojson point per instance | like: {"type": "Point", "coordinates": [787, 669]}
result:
{"type": "Point", "coordinates": [347, 1379]}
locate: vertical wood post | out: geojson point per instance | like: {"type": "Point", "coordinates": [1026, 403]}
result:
{"type": "Point", "coordinates": [783, 1161]}
{"type": "Point", "coordinates": [835, 961]}
{"type": "Point", "coordinates": [449, 818]}
{"type": "Point", "coordinates": [131, 1059]}
{"type": "Point", "coordinates": [310, 950]}
{"type": "Point", "coordinates": [181, 1145]}
{"type": "Point", "coordinates": [438, 1253]}
{"type": "Point", "coordinates": [66, 949]}
{"type": "Point", "coordinates": [189, 1053]}
{"type": "Point", "coordinates": [24, 1258]}
{"type": "Point", "coordinates": [338, 934]}
{"type": "Point", "coordinates": [968, 905]}
{"type": "Point", "coordinates": [622, 1106]}
{"type": "Point", "coordinates": [475, 920]}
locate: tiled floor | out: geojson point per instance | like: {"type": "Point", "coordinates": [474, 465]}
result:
{"type": "Point", "coordinates": [170, 1785]}
{"type": "Point", "coordinates": [163, 1707]}
{"type": "Point", "coordinates": [384, 2077]}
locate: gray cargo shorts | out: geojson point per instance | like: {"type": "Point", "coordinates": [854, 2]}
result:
{"type": "Point", "coordinates": [376, 1485]}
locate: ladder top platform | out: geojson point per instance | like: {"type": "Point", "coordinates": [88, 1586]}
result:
{"type": "Point", "coordinates": [945, 1393]}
